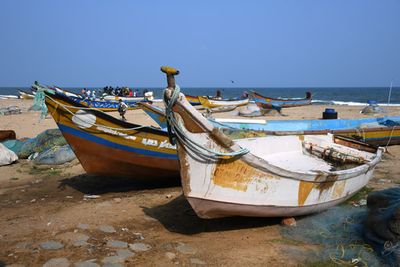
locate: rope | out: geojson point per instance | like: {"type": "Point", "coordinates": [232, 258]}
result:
{"type": "Point", "coordinates": [390, 138]}
{"type": "Point", "coordinates": [176, 131]}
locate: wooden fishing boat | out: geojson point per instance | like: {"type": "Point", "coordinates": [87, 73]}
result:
{"type": "Point", "coordinates": [208, 102]}
{"type": "Point", "coordinates": [8, 97]}
{"type": "Point", "coordinates": [283, 102]}
{"type": "Point", "coordinates": [193, 100]}
{"type": "Point", "coordinates": [381, 131]}
{"type": "Point", "coordinates": [266, 106]}
{"type": "Point", "coordinates": [107, 146]}
{"type": "Point", "coordinates": [271, 176]}
{"type": "Point", "coordinates": [25, 95]}
{"type": "Point", "coordinates": [106, 106]}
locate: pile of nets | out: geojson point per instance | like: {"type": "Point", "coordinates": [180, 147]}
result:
{"type": "Point", "coordinates": [47, 148]}
{"type": "Point", "coordinates": [339, 234]}
{"type": "Point", "coordinates": [42, 142]}
{"type": "Point", "coordinates": [382, 225]}
{"type": "Point", "coordinates": [55, 156]}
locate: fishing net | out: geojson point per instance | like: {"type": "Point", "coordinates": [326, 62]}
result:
{"type": "Point", "coordinates": [14, 145]}
{"type": "Point", "coordinates": [42, 142]}
{"type": "Point", "coordinates": [55, 156]}
{"type": "Point", "coordinates": [339, 233]}
{"type": "Point", "coordinates": [382, 224]}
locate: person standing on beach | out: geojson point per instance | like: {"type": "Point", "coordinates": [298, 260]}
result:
{"type": "Point", "coordinates": [122, 108]}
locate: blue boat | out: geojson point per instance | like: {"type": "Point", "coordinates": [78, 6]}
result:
{"type": "Point", "coordinates": [378, 131]}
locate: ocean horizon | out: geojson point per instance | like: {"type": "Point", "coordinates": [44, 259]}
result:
{"type": "Point", "coordinates": [321, 95]}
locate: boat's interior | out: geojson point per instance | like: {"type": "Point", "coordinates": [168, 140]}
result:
{"type": "Point", "coordinates": [305, 153]}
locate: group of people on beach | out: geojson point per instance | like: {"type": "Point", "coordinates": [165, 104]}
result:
{"type": "Point", "coordinates": [87, 94]}
{"type": "Point", "coordinates": [122, 91]}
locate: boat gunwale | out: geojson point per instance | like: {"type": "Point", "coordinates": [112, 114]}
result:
{"type": "Point", "coordinates": [101, 114]}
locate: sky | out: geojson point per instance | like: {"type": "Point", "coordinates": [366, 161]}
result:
{"type": "Point", "coordinates": [282, 43]}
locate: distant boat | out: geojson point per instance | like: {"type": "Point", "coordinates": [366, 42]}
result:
{"type": "Point", "coordinates": [25, 95]}
{"type": "Point", "coordinates": [208, 102]}
{"type": "Point", "coordinates": [8, 97]}
{"type": "Point", "coordinates": [110, 147]}
{"type": "Point", "coordinates": [274, 176]}
{"type": "Point", "coordinates": [147, 96]}
{"type": "Point", "coordinates": [376, 131]}
{"type": "Point", "coordinates": [283, 102]}
{"type": "Point", "coordinates": [193, 100]}
{"type": "Point", "coordinates": [266, 106]}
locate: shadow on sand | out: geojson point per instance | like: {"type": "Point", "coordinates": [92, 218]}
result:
{"type": "Point", "coordinates": [97, 185]}
{"type": "Point", "coordinates": [177, 216]}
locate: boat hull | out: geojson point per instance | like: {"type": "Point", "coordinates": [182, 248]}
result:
{"type": "Point", "coordinates": [109, 147]}
{"type": "Point", "coordinates": [214, 103]}
{"type": "Point", "coordinates": [282, 102]}
{"type": "Point", "coordinates": [214, 209]}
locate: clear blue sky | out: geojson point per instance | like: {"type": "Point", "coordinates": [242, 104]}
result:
{"type": "Point", "coordinates": [255, 43]}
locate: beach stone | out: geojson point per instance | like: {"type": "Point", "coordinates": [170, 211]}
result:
{"type": "Point", "coordinates": [83, 226]}
{"type": "Point", "coordinates": [116, 244]}
{"type": "Point", "coordinates": [113, 259]}
{"type": "Point", "coordinates": [86, 264]}
{"type": "Point", "coordinates": [185, 249]}
{"type": "Point", "coordinates": [23, 245]}
{"type": "Point", "coordinates": [139, 247]}
{"type": "Point", "coordinates": [80, 243]}
{"type": "Point", "coordinates": [170, 255]}
{"type": "Point", "coordinates": [107, 229]}
{"type": "Point", "coordinates": [73, 237]}
{"type": "Point", "coordinates": [197, 261]}
{"type": "Point", "coordinates": [289, 221]}
{"type": "Point", "coordinates": [57, 262]}
{"type": "Point", "coordinates": [113, 265]}
{"type": "Point", "coordinates": [125, 253]}
{"type": "Point", "coordinates": [50, 245]}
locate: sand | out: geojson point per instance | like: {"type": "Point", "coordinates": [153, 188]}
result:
{"type": "Point", "coordinates": [40, 205]}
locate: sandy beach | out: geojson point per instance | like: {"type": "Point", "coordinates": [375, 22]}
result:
{"type": "Point", "coordinates": [42, 205]}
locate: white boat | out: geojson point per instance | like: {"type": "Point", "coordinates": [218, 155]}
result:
{"type": "Point", "coordinates": [26, 95]}
{"type": "Point", "coordinates": [8, 97]}
{"type": "Point", "coordinates": [214, 103]}
{"type": "Point", "coordinates": [274, 176]}
{"type": "Point", "coordinates": [147, 96]}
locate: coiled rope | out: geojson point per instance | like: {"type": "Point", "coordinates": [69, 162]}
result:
{"type": "Point", "coordinates": [176, 131]}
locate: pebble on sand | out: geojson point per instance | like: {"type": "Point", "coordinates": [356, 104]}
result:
{"type": "Point", "coordinates": [139, 247]}
{"type": "Point", "coordinates": [83, 226]}
{"type": "Point", "coordinates": [197, 261]}
{"type": "Point", "coordinates": [57, 262]}
{"type": "Point", "coordinates": [170, 255]}
{"type": "Point", "coordinates": [86, 264]}
{"type": "Point", "coordinates": [125, 253]}
{"type": "Point", "coordinates": [185, 249]}
{"type": "Point", "coordinates": [107, 229]}
{"type": "Point", "coordinates": [113, 259]}
{"type": "Point", "coordinates": [116, 244]}
{"type": "Point", "coordinates": [50, 245]}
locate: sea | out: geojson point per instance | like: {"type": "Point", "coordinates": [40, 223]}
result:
{"type": "Point", "coordinates": [354, 96]}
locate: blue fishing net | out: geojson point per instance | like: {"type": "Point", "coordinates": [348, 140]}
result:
{"type": "Point", "coordinates": [42, 142]}
{"type": "Point", "coordinates": [389, 123]}
{"type": "Point", "coordinates": [55, 156]}
{"type": "Point", "coordinates": [339, 234]}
